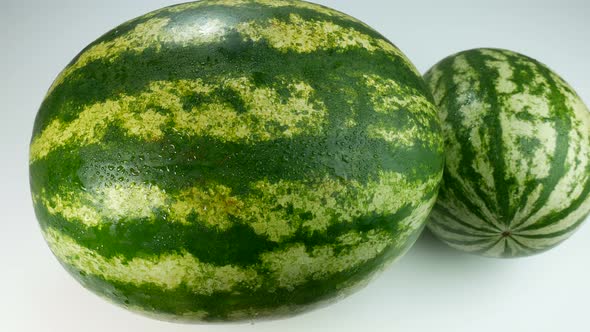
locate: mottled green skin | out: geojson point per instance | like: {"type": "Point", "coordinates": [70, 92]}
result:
{"type": "Point", "coordinates": [178, 161]}
{"type": "Point", "coordinates": [537, 196]}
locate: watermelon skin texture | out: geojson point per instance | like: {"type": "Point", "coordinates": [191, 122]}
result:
{"type": "Point", "coordinates": [234, 160]}
{"type": "Point", "coordinates": [517, 145]}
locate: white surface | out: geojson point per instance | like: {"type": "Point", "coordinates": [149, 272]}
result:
{"type": "Point", "coordinates": [433, 288]}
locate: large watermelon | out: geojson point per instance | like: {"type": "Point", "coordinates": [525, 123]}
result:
{"type": "Point", "coordinates": [228, 160]}
{"type": "Point", "coordinates": [517, 139]}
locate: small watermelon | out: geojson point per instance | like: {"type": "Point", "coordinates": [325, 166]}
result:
{"type": "Point", "coordinates": [229, 160]}
{"type": "Point", "coordinates": [517, 140]}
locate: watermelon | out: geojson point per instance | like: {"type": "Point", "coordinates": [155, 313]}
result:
{"type": "Point", "coordinates": [234, 160]}
{"type": "Point", "coordinates": [517, 145]}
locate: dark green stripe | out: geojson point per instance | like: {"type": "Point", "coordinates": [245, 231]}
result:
{"type": "Point", "coordinates": [450, 183]}
{"type": "Point", "coordinates": [450, 229]}
{"type": "Point", "coordinates": [202, 158]}
{"type": "Point", "coordinates": [130, 73]}
{"type": "Point", "coordinates": [488, 248]}
{"type": "Point", "coordinates": [522, 73]}
{"type": "Point", "coordinates": [449, 214]}
{"type": "Point", "coordinates": [466, 242]}
{"type": "Point", "coordinates": [557, 216]}
{"type": "Point", "coordinates": [525, 248]}
{"type": "Point", "coordinates": [487, 79]}
{"type": "Point", "coordinates": [246, 12]}
{"type": "Point", "coordinates": [461, 135]}
{"type": "Point", "coordinates": [178, 162]}
{"type": "Point", "coordinates": [239, 245]}
{"type": "Point", "coordinates": [221, 305]}
{"type": "Point", "coordinates": [552, 235]}
{"type": "Point", "coordinates": [558, 233]}
{"type": "Point", "coordinates": [561, 116]}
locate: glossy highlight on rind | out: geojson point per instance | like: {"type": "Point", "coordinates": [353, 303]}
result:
{"type": "Point", "coordinates": [517, 136]}
{"type": "Point", "coordinates": [192, 166]}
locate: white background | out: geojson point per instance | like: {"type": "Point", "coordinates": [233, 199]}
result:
{"type": "Point", "coordinates": [433, 288]}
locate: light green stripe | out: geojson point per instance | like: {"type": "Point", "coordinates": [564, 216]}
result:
{"type": "Point", "coordinates": [465, 78]}
{"type": "Point", "coordinates": [297, 34]}
{"type": "Point", "coordinates": [461, 211]}
{"type": "Point", "coordinates": [167, 271]}
{"type": "Point", "coordinates": [153, 33]}
{"type": "Point", "coordinates": [526, 166]}
{"type": "Point", "coordinates": [498, 249]}
{"type": "Point", "coordinates": [522, 165]}
{"type": "Point", "coordinates": [513, 247]}
{"type": "Point", "coordinates": [525, 210]}
{"type": "Point", "coordinates": [70, 206]}
{"type": "Point", "coordinates": [519, 166]}
{"type": "Point", "coordinates": [529, 124]}
{"type": "Point", "coordinates": [436, 86]}
{"type": "Point", "coordinates": [306, 36]}
{"type": "Point", "coordinates": [296, 264]}
{"type": "Point", "coordinates": [328, 201]}
{"type": "Point", "coordinates": [458, 237]}
{"type": "Point", "coordinates": [388, 96]}
{"type": "Point", "coordinates": [97, 205]}
{"type": "Point", "coordinates": [265, 3]}
{"type": "Point", "coordinates": [288, 268]}
{"type": "Point", "coordinates": [571, 184]}
{"type": "Point", "coordinates": [471, 247]}
{"type": "Point", "coordinates": [473, 113]}
{"type": "Point", "coordinates": [473, 116]}
{"type": "Point", "coordinates": [449, 222]}
{"type": "Point", "coordinates": [504, 83]}
{"type": "Point", "coordinates": [562, 224]}
{"type": "Point", "coordinates": [542, 243]}
{"type": "Point", "coordinates": [269, 116]}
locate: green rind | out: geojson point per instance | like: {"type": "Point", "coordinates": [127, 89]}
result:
{"type": "Point", "coordinates": [296, 198]}
{"type": "Point", "coordinates": [214, 58]}
{"type": "Point", "coordinates": [224, 307]}
{"type": "Point", "coordinates": [517, 175]}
